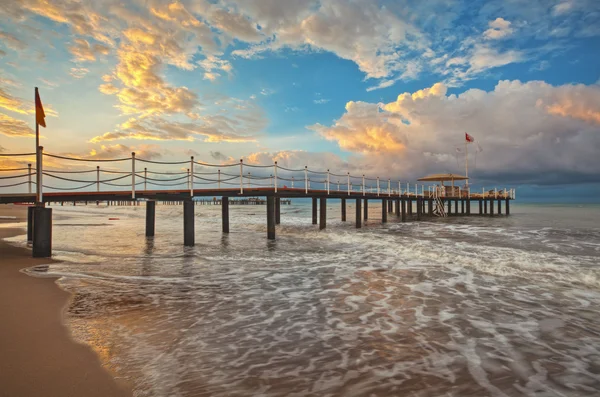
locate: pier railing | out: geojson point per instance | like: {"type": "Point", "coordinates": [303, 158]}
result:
{"type": "Point", "coordinates": [60, 174]}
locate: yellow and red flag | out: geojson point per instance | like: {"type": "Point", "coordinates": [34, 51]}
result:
{"type": "Point", "coordinates": [469, 138]}
{"type": "Point", "coordinates": [39, 110]}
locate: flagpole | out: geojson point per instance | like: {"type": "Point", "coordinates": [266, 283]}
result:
{"type": "Point", "coordinates": [467, 161]}
{"type": "Point", "coordinates": [38, 171]}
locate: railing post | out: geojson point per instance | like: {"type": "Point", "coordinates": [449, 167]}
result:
{"type": "Point", "coordinates": [399, 189]}
{"type": "Point", "coordinates": [219, 179]}
{"type": "Point", "coordinates": [40, 176]}
{"type": "Point", "coordinates": [133, 175]}
{"type": "Point", "coordinates": [338, 183]}
{"type": "Point", "coordinates": [389, 187]}
{"type": "Point", "coordinates": [348, 184]}
{"type": "Point", "coordinates": [97, 178]}
{"type": "Point", "coordinates": [328, 182]}
{"type": "Point", "coordinates": [305, 179]}
{"type": "Point", "coordinates": [292, 182]}
{"type": "Point", "coordinates": [377, 186]}
{"type": "Point", "coordinates": [188, 178]}
{"type": "Point", "coordinates": [249, 180]}
{"type": "Point", "coordinates": [407, 188]}
{"type": "Point", "coordinates": [29, 172]}
{"type": "Point", "coordinates": [241, 176]}
{"type": "Point", "coordinates": [145, 179]}
{"type": "Point", "coordinates": [495, 192]}
{"type": "Point", "coordinates": [276, 177]}
{"type": "Point", "coordinates": [422, 190]}
{"type": "Point", "coordinates": [192, 176]}
{"type": "Point", "coordinates": [363, 187]}
{"type": "Point", "coordinates": [483, 192]}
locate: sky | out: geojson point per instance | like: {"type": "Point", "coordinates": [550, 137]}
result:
{"type": "Point", "coordinates": [385, 88]}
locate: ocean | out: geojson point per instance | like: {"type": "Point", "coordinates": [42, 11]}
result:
{"type": "Point", "coordinates": [477, 306]}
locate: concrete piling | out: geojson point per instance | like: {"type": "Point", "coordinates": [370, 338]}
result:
{"type": "Point", "coordinates": [491, 207]}
{"type": "Point", "coordinates": [225, 214]}
{"type": "Point", "coordinates": [507, 205]}
{"type": "Point", "coordinates": [322, 213]}
{"type": "Point", "coordinates": [403, 209]}
{"type": "Point", "coordinates": [499, 207]}
{"type": "Point", "coordinates": [30, 216]}
{"type": "Point", "coordinates": [42, 232]}
{"type": "Point", "coordinates": [271, 217]}
{"type": "Point", "coordinates": [358, 213]}
{"type": "Point", "coordinates": [366, 209]}
{"type": "Point", "coordinates": [314, 210]}
{"type": "Point", "coordinates": [343, 210]}
{"type": "Point", "coordinates": [150, 218]}
{"type": "Point", "coordinates": [188, 223]}
{"type": "Point", "coordinates": [277, 210]}
{"type": "Point", "coordinates": [384, 210]}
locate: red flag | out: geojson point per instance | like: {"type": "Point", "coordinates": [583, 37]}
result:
{"type": "Point", "coordinates": [39, 110]}
{"type": "Point", "coordinates": [469, 138]}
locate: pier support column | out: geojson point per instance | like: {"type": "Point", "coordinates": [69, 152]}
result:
{"type": "Point", "coordinates": [456, 207]}
{"type": "Point", "coordinates": [462, 206]}
{"type": "Point", "coordinates": [366, 209]}
{"type": "Point", "coordinates": [277, 210]}
{"type": "Point", "coordinates": [188, 223]}
{"type": "Point", "coordinates": [150, 218]}
{"type": "Point", "coordinates": [384, 210]}
{"type": "Point", "coordinates": [314, 210]}
{"type": "Point", "coordinates": [485, 211]}
{"type": "Point", "coordinates": [30, 215]}
{"type": "Point", "coordinates": [225, 214]}
{"type": "Point", "coordinates": [410, 207]}
{"type": "Point", "coordinates": [42, 232]}
{"type": "Point", "coordinates": [430, 207]}
{"type": "Point", "coordinates": [499, 207]}
{"type": "Point", "coordinates": [322, 213]}
{"type": "Point", "coordinates": [449, 212]}
{"type": "Point", "coordinates": [491, 207]}
{"type": "Point", "coordinates": [398, 208]}
{"type": "Point", "coordinates": [343, 210]}
{"type": "Point", "coordinates": [358, 213]}
{"type": "Point", "coordinates": [403, 209]}
{"type": "Point", "coordinates": [507, 205]}
{"type": "Point", "coordinates": [468, 206]}
{"type": "Point", "coordinates": [271, 217]}
{"type": "Point", "coordinates": [390, 206]}
{"type": "Point", "coordinates": [419, 209]}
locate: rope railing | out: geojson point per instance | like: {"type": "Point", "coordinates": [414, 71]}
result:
{"type": "Point", "coordinates": [193, 172]}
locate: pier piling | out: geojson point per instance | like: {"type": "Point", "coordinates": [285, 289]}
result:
{"type": "Point", "coordinates": [403, 210]}
{"type": "Point", "coordinates": [150, 218]}
{"type": "Point", "coordinates": [277, 210]}
{"type": "Point", "coordinates": [314, 210]}
{"type": "Point", "coordinates": [225, 214]}
{"type": "Point", "coordinates": [343, 210]}
{"type": "Point", "coordinates": [30, 215]}
{"type": "Point", "coordinates": [322, 213]}
{"type": "Point", "coordinates": [366, 209]}
{"type": "Point", "coordinates": [499, 207]}
{"type": "Point", "coordinates": [188, 223]}
{"type": "Point", "coordinates": [358, 213]}
{"type": "Point", "coordinates": [507, 205]}
{"type": "Point", "coordinates": [384, 210]}
{"type": "Point", "coordinates": [42, 232]}
{"type": "Point", "coordinates": [491, 207]}
{"type": "Point", "coordinates": [271, 217]}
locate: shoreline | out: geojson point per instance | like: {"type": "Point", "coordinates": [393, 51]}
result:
{"type": "Point", "coordinates": [37, 354]}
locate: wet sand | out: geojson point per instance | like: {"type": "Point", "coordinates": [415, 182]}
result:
{"type": "Point", "coordinates": [37, 355]}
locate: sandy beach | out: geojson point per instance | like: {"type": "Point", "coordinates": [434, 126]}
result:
{"type": "Point", "coordinates": [37, 355]}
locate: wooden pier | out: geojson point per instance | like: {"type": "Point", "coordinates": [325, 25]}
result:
{"type": "Point", "coordinates": [259, 189]}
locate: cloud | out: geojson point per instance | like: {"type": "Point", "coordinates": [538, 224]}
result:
{"type": "Point", "coordinates": [499, 29]}
{"type": "Point", "coordinates": [218, 156]}
{"type": "Point", "coordinates": [12, 42]}
{"type": "Point", "coordinates": [551, 130]}
{"type": "Point", "coordinates": [83, 51]}
{"type": "Point", "coordinates": [144, 151]}
{"type": "Point", "coordinates": [12, 127]}
{"type": "Point", "coordinates": [321, 101]}
{"type": "Point", "coordinates": [79, 73]}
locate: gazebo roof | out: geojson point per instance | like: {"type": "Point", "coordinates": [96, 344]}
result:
{"type": "Point", "coordinates": [443, 178]}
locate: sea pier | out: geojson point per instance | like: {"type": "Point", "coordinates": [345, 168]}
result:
{"type": "Point", "coordinates": [191, 183]}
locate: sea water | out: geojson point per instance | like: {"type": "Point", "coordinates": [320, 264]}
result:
{"type": "Point", "coordinates": [465, 306]}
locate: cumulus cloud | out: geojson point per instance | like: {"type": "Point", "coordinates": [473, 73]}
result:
{"type": "Point", "coordinates": [12, 42]}
{"type": "Point", "coordinates": [499, 28]}
{"type": "Point", "coordinates": [526, 129]}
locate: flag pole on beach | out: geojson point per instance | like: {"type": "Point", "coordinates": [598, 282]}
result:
{"type": "Point", "coordinates": [39, 121]}
{"type": "Point", "coordinates": [468, 139]}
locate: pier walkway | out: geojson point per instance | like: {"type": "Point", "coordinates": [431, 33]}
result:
{"type": "Point", "coordinates": [194, 183]}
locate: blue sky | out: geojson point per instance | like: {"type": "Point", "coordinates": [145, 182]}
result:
{"type": "Point", "coordinates": [384, 87]}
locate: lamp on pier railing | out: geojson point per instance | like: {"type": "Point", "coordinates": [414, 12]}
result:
{"type": "Point", "coordinates": [276, 177]}
{"type": "Point", "coordinates": [305, 179]}
{"type": "Point", "coordinates": [363, 184]}
{"type": "Point", "coordinates": [348, 184]}
{"type": "Point", "coordinates": [241, 176]}
{"type": "Point", "coordinates": [133, 175]}
{"type": "Point", "coordinates": [29, 174]}
{"type": "Point", "coordinates": [191, 176]}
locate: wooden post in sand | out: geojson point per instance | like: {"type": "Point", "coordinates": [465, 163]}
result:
{"type": "Point", "coordinates": [188, 223]}
{"type": "Point", "coordinates": [42, 232]}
